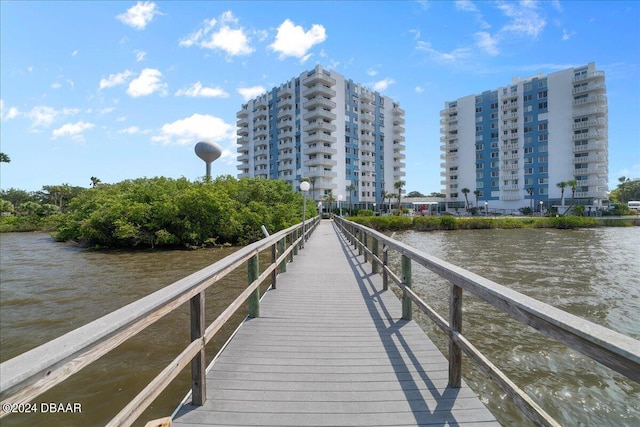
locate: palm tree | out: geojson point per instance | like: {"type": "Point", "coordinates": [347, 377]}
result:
{"type": "Point", "coordinates": [477, 194]}
{"type": "Point", "coordinates": [622, 180]}
{"type": "Point", "coordinates": [561, 185]}
{"type": "Point", "coordinates": [398, 185]}
{"type": "Point", "coordinates": [4, 158]}
{"type": "Point", "coordinates": [329, 198]}
{"type": "Point", "coordinates": [95, 181]}
{"type": "Point", "coordinates": [351, 188]}
{"type": "Point", "coordinates": [573, 184]}
{"type": "Point", "coordinates": [466, 191]}
{"type": "Point", "coordinates": [530, 193]}
{"type": "Point", "coordinates": [312, 180]}
{"type": "Point", "coordinates": [389, 196]}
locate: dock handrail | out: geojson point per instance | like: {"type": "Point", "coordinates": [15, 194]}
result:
{"type": "Point", "coordinates": [612, 349]}
{"type": "Point", "coordinates": [30, 374]}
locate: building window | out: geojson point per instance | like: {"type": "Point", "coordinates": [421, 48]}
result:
{"type": "Point", "coordinates": [542, 105]}
{"type": "Point", "coordinates": [542, 83]}
{"type": "Point", "coordinates": [543, 137]}
{"type": "Point", "coordinates": [543, 169]}
{"type": "Point", "coordinates": [542, 126]}
{"type": "Point", "coordinates": [526, 87]}
{"type": "Point", "coordinates": [479, 166]}
{"type": "Point", "coordinates": [527, 97]}
{"type": "Point", "coordinates": [479, 128]}
{"type": "Point", "coordinates": [542, 94]}
{"type": "Point", "coordinates": [543, 159]}
{"type": "Point", "coordinates": [479, 147]}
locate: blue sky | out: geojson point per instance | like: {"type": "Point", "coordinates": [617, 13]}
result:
{"type": "Point", "coordinates": [122, 90]}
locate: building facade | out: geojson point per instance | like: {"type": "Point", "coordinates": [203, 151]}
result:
{"type": "Point", "coordinates": [512, 146]}
{"type": "Point", "coordinates": [347, 140]}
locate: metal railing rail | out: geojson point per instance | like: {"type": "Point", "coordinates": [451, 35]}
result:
{"type": "Point", "coordinates": [612, 349]}
{"type": "Point", "coordinates": [30, 374]}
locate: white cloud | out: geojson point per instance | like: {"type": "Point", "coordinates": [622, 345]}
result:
{"type": "Point", "coordinates": [197, 90]}
{"type": "Point", "coordinates": [251, 92]}
{"type": "Point", "coordinates": [566, 35]}
{"type": "Point", "coordinates": [383, 84]}
{"type": "Point", "coordinates": [73, 130]}
{"type": "Point", "coordinates": [56, 85]}
{"type": "Point", "coordinates": [12, 113]}
{"type": "Point", "coordinates": [196, 128]}
{"type": "Point", "coordinates": [115, 79]}
{"type": "Point", "coordinates": [487, 43]}
{"type": "Point", "coordinates": [44, 116]}
{"type": "Point", "coordinates": [444, 57]}
{"type": "Point", "coordinates": [229, 38]}
{"type": "Point", "coordinates": [524, 18]}
{"type": "Point", "coordinates": [292, 40]}
{"type": "Point", "coordinates": [372, 72]}
{"type": "Point", "coordinates": [233, 41]}
{"type": "Point", "coordinates": [140, 55]}
{"type": "Point", "coordinates": [133, 130]}
{"type": "Point", "coordinates": [74, 53]}
{"type": "Point", "coordinates": [419, 89]}
{"type": "Point", "coordinates": [121, 119]}
{"type": "Point", "coordinates": [140, 15]}
{"type": "Point", "coordinates": [107, 110]}
{"type": "Point", "coordinates": [148, 82]}
{"type": "Point", "coordinates": [466, 5]}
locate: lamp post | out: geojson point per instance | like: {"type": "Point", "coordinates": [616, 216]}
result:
{"type": "Point", "coordinates": [541, 204]}
{"type": "Point", "coordinates": [320, 208]}
{"type": "Point", "coordinates": [374, 208]}
{"type": "Point", "coordinates": [486, 208]}
{"type": "Point", "coordinates": [304, 187]}
{"type": "Point", "coordinates": [340, 205]}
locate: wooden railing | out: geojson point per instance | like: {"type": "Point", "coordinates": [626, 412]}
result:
{"type": "Point", "coordinates": [27, 376]}
{"type": "Point", "coordinates": [612, 349]}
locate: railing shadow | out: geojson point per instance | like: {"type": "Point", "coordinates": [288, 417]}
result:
{"type": "Point", "coordinates": [445, 399]}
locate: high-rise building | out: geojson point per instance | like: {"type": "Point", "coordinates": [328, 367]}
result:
{"type": "Point", "coordinates": [345, 138]}
{"type": "Point", "coordinates": [511, 147]}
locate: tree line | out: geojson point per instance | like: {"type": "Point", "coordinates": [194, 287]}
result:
{"type": "Point", "coordinates": [161, 212]}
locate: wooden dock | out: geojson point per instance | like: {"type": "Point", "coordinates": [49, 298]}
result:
{"type": "Point", "coordinates": [330, 349]}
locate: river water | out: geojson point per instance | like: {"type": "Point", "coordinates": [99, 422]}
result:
{"type": "Point", "coordinates": [49, 288]}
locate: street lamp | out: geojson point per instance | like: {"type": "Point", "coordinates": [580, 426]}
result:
{"type": "Point", "coordinates": [541, 203]}
{"type": "Point", "coordinates": [339, 205]}
{"type": "Point", "coordinates": [374, 208]}
{"type": "Point", "coordinates": [486, 208]}
{"type": "Point", "coordinates": [304, 187]}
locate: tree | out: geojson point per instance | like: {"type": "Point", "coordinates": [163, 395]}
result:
{"type": "Point", "coordinates": [330, 199]}
{"type": "Point", "coordinates": [4, 158]}
{"type": "Point", "coordinates": [530, 193]}
{"type": "Point", "coordinates": [95, 181]}
{"type": "Point", "coordinates": [622, 186]}
{"type": "Point", "coordinates": [312, 180]}
{"type": "Point", "coordinates": [388, 196]}
{"type": "Point", "coordinates": [351, 188]}
{"type": "Point", "coordinates": [562, 185]}
{"type": "Point", "coordinates": [572, 183]}
{"type": "Point", "coordinates": [436, 194]}
{"type": "Point", "coordinates": [398, 186]}
{"type": "Point", "coordinates": [477, 194]}
{"type": "Point", "coordinates": [466, 191]}
{"type": "Point", "coordinates": [415, 194]}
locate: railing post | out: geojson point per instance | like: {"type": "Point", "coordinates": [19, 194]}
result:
{"type": "Point", "coordinates": [359, 241]}
{"type": "Point", "coordinates": [290, 236]}
{"type": "Point", "coordinates": [455, 323]}
{"type": "Point", "coordinates": [198, 363]}
{"type": "Point", "coordinates": [366, 246]}
{"type": "Point", "coordinates": [374, 262]}
{"type": "Point", "coordinates": [385, 261]}
{"type": "Point", "coordinates": [407, 304]}
{"type": "Point", "coordinates": [296, 235]}
{"type": "Point", "coordinates": [281, 246]}
{"type": "Point", "coordinates": [254, 299]}
{"type": "Point", "coordinates": [274, 258]}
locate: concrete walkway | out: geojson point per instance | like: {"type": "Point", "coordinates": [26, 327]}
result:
{"type": "Point", "coordinates": [330, 350]}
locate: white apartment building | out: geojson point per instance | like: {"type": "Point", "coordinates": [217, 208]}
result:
{"type": "Point", "coordinates": [347, 139]}
{"type": "Point", "coordinates": [511, 146]}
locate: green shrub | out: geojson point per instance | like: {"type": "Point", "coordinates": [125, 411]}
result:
{"type": "Point", "coordinates": [448, 223]}
{"type": "Point", "coordinates": [424, 223]}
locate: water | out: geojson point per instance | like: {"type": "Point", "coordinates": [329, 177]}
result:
{"type": "Point", "coordinates": [49, 288]}
{"type": "Point", "coordinates": [591, 273]}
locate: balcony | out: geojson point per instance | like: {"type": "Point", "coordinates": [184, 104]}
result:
{"type": "Point", "coordinates": [243, 158]}
{"type": "Point", "coordinates": [282, 102]}
{"type": "Point", "coordinates": [320, 149]}
{"type": "Point", "coordinates": [510, 125]}
{"type": "Point", "coordinates": [319, 101]}
{"type": "Point", "coordinates": [510, 146]}
{"type": "Point", "coordinates": [320, 161]}
{"type": "Point", "coordinates": [593, 87]}
{"type": "Point", "coordinates": [597, 123]}
{"type": "Point", "coordinates": [398, 138]}
{"type": "Point", "coordinates": [366, 127]}
{"type": "Point", "coordinates": [244, 173]}
{"type": "Point", "coordinates": [244, 113]}
{"type": "Point", "coordinates": [242, 122]}
{"type": "Point", "coordinates": [320, 137]}
{"type": "Point", "coordinates": [261, 122]}
{"type": "Point", "coordinates": [397, 111]}
{"type": "Point", "coordinates": [398, 129]}
{"type": "Point", "coordinates": [285, 113]}
{"type": "Point", "coordinates": [595, 111]}
{"type": "Point", "coordinates": [510, 167]}
{"type": "Point", "coordinates": [509, 157]}
{"type": "Point", "coordinates": [512, 187]}
{"type": "Point", "coordinates": [590, 100]}
{"type": "Point", "coordinates": [320, 113]}
{"type": "Point", "coordinates": [285, 91]}
{"type": "Point", "coordinates": [509, 96]}
{"type": "Point", "coordinates": [263, 131]}
{"type": "Point", "coordinates": [284, 134]}
{"type": "Point", "coordinates": [511, 196]}
{"type": "Point", "coordinates": [366, 96]}
{"type": "Point", "coordinates": [509, 115]}
{"type": "Point", "coordinates": [243, 131]}
{"type": "Point", "coordinates": [449, 110]}
{"type": "Point", "coordinates": [321, 174]}
{"type": "Point", "coordinates": [588, 76]}
{"type": "Point", "coordinates": [590, 146]}
{"type": "Point", "coordinates": [319, 90]}
{"type": "Point", "coordinates": [397, 155]}
{"type": "Point", "coordinates": [366, 107]}
{"type": "Point", "coordinates": [243, 140]}
{"type": "Point", "coordinates": [509, 106]}
{"type": "Point", "coordinates": [590, 159]}
{"type": "Point", "coordinates": [317, 77]}
{"type": "Point", "coordinates": [319, 126]}
{"type": "Point", "coordinates": [367, 117]}
{"type": "Point", "coordinates": [589, 135]}
{"type": "Point", "coordinates": [398, 121]}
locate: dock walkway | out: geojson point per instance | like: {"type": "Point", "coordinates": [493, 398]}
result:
{"type": "Point", "coordinates": [330, 349]}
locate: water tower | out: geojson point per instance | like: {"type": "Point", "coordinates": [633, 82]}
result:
{"type": "Point", "coordinates": [208, 151]}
